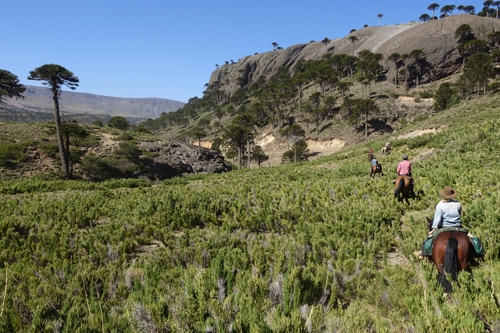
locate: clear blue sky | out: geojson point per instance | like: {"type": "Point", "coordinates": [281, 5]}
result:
{"type": "Point", "coordinates": [169, 48]}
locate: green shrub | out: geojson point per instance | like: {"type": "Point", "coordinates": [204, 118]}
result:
{"type": "Point", "coordinates": [426, 94]}
{"type": "Point", "coordinates": [97, 169]}
{"type": "Point", "coordinates": [11, 154]}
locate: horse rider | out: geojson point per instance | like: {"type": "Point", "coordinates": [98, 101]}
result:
{"type": "Point", "coordinates": [404, 168]}
{"type": "Point", "coordinates": [370, 155]}
{"type": "Point", "coordinates": [374, 161]}
{"type": "Point", "coordinates": [447, 214]}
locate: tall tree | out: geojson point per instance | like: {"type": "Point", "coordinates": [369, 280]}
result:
{"type": "Point", "coordinates": [469, 9]}
{"type": "Point", "coordinates": [326, 41]}
{"type": "Point", "coordinates": [418, 56]}
{"type": "Point", "coordinates": [10, 86]}
{"type": "Point", "coordinates": [424, 17]}
{"type": "Point", "coordinates": [56, 76]}
{"type": "Point", "coordinates": [405, 57]}
{"type": "Point", "coordinates": [472, 47]}
{"type": "Point", "coordinates": [443, 96]}
{"type": "Point", "coordinates": [294, 134]}
{"type": "Point", "coordinates": [239, 133]}
{"type": "Point", "coordinates": [379, 18]}
{"type": "Point", "coordinates": [353, 39]}
{"type": "Point", "coordinates": [477, 71]}
{"type": "Point", "coordinates": [464, 33]}
{"type": "Point", "coordinates": [199, 133]}
{"type": "Point", "coordinates": [394, 57]}
{"type": "Point", "coordinates": [433, 7]}
{"type": "Point", "coordinates": [71, 130]}
{"type": "Point", "coordinates": [497, 4]}
{"type": "Point", "coordinates": [448, 9]}
{"type": "Point", "coordinates": [258, 155]}
{"type": "Point", "coordinates": [366, 106]}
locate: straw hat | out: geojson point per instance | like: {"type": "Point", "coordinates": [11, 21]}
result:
{"type": "Point", "coordinates": [448, 193]}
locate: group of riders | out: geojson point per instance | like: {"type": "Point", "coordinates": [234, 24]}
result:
{"type": "Point", "coordinates": [447, 214]}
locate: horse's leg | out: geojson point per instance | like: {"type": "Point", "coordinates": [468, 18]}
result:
{"type": "Point", "coordinates": [399, 187]}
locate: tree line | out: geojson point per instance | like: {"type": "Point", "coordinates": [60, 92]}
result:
{"type": "Point", "coordinates": [281, 100]}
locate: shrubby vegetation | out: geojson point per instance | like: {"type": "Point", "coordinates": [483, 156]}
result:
{"type": "Point", "coordinates": [309, 247]}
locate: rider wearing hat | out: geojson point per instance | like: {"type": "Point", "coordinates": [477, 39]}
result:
{"type": "Point", "coordinates": [447, 214]}
{"type": "Point", "coordinates": [448, 210]}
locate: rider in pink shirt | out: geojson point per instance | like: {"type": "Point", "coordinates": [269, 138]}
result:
{"type": "Point", "coordinates": [404, 167]}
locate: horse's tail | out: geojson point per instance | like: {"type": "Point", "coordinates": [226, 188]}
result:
{"type": "Point", "coordinates": [450, 264]}
{"type": "Point", "coordinates": [399, 187]}
{"type": "Point", "coordinates": [451, 258]}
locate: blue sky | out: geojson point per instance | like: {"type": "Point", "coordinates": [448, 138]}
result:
{"type": "Point", "coordinates": [167, 48]}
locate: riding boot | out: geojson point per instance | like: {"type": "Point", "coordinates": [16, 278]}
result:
{"type": "Point", "coordinates": [419, 254]}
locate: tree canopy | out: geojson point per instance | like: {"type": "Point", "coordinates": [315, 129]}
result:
{"type": "Point", "coordinates": [10, 86]}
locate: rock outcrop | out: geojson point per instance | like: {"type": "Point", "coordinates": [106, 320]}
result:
{"type": "Point", "coordinates": [436, 38]}
{"type": "Point", "coordinates": [179, 158]}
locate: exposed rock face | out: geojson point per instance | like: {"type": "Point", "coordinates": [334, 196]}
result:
{"type": "Point", "coordinates": [179, 158]}
{"type": "Point", "coordinates": [436, 38]}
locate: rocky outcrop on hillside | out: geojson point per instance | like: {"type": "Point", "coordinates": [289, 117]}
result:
{"type": "Point", "coordinates": [179, 158]}
{"type": "Point", "coordinates": [435, 37]}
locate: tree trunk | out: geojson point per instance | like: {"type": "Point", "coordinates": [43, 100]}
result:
{"type": "Point", "coordinates": [406, 78]}
{"type": "Point", "coordinates": [239, 158]}
{"type": "Point", "coordinates": [396, 75]}
{"type": "Point", "coordinates": [366, 124]}
{"type": "Point", "coordinates": [248, 149]}
{"type": "Point", "coordinates": [57, 120]}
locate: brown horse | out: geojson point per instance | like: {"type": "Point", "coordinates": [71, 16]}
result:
{"type": "Point", "coordinates": [403, 189]}
{"type": "Point", "coordinates": [451, 253]}
{"type": "Point", "coordinates": [376, 169]}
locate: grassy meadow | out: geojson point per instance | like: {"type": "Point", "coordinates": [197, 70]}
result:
{"type": "Point", "coordinates": [310, 247]}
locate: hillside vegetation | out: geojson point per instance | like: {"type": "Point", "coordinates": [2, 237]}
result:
{"type": "Point", "coordinates": [303, 247]}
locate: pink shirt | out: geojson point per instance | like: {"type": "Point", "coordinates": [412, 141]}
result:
{"type": "Point", "coordinates": [404, 167]}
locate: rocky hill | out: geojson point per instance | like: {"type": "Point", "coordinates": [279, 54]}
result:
{"type": "Point", "coordinates": [39, 99]}
{"type": "Point", "coordinates": [435, 37]}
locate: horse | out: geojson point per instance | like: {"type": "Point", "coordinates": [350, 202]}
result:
{"type": "Point", "coordinates": [451, 252]}
{"type": "Point", "coordinates": [376, 169]}
{"type": "Point", "coordinates": [385, 150]}
{"type": "Point", "coordinates": [403, 189]}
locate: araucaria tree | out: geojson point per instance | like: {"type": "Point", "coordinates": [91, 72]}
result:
{"type": "Point", "coordinates": [10, 86]}
{"type": "Point", "coordinates": [56, 76]}
{"type": "Point", "coordinates": [432, 8]}
{"type": "Point", "coordinates": [366, 106]}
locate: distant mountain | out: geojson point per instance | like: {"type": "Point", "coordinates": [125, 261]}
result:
{"type": "Point", "coordinates": [39, 99]}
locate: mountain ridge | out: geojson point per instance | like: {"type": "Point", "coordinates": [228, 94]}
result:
{"type": "Point", "coordinates": [435, 38]}
{"type": "Point", "coordinates": [71, 102]}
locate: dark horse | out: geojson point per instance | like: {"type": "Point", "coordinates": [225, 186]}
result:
{"type": "Point", "coordinates": [403, 189]}
{"type": "Point", "coordinates": [376, 169]}
{"type": "Point", "coordinates": [451, 253]}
